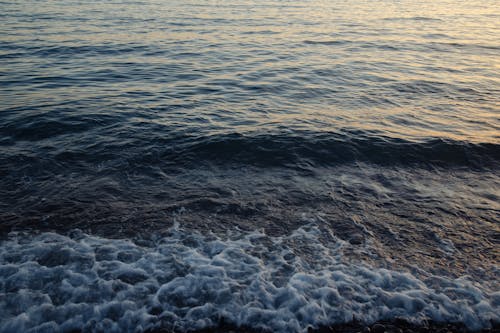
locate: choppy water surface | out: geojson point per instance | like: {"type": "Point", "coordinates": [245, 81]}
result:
{"type": "Point", "coordinates": [320, 159]}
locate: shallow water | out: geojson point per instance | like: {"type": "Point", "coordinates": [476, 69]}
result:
{"type": "Point", "coordinates": [370, 130]}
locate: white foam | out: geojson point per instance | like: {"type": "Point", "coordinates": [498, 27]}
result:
{"type": "Point", "coordinates": [50, 282]}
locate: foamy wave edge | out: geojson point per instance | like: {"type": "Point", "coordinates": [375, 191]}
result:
{"type": "Point", "coordinates": [186, 281]}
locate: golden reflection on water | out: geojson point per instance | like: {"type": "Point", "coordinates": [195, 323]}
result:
{"type": "Point", "coordinates": [365, 38]}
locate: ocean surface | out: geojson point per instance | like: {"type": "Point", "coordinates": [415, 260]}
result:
{"type": "Point", "coordinates": [279, 165]}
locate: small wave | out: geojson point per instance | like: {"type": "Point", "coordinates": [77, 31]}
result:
{"type": "Point", "coordinates": [34, 127]}
{"type": "Point", "coordinates": [313, 149]}
{"type": "Point", "coordinates": [71, 51]}
{"type": "Point", "coordinates": [323, 149]}
{"type": "Point", "coordinates": [414, 18]}
{"type": "Point", "coordinates": [470, 46]}
{"type": "Point", "coordinates": [326, 42]}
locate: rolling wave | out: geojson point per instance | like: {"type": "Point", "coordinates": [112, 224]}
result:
{"type": "Point", "coordinates": [297, 150]}
{"type": "Point", "coordinates": [332, 148]}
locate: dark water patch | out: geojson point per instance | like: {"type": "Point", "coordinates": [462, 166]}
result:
{"type": "Point", "coordinates": [471, 45]}
{"type": "Point", "coordinates": [328, 149]}
{"type": "Point", "coordinates": [12, 55]}
{"type": "Point", "coordinates": [61, 51]}
{"type": "Point", "coordinates": [137, 149]}
{"type": "Point", "coordinates": [438, 35]}
{"type": "Point", "coordinates": [261, 32]}
{"type": "Point", "coordinates": [28, 125]}
{"type": "Point", "coordinates": [327, 42]}
{"type": "Point", "coordinates": [460, 47]}
{"type": "Point", "coordinates": [421, 87]}
{"type": "Point", "coordinates": [38, 130]}
{"type": "Point", "coordinates": [414, 18]}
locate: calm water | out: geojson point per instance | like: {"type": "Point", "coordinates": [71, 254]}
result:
{"type": "Point", "coordinates": [276, 164]}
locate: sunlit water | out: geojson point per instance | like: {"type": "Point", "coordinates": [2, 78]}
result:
{"type": "Point", "coordinates": [350, 147]}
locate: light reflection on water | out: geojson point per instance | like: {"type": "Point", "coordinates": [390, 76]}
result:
{"type": "Point", "coordinates": [376, 123]}
{"type": "Point", "coordinates": [406, 69]}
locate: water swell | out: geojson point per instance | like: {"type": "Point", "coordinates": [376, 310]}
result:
{"type": "Point", "coordinates": [313, 149]}
{"type": "Point", "coordinates": [332, 148]}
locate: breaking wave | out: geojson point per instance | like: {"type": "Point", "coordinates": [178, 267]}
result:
{"type": "Point", "coordinates": [185, 281]}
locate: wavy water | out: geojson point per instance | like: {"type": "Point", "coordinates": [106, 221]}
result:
{"type": "Point", "coordinates": [369, 131]}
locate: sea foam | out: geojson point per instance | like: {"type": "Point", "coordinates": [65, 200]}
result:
{"type": "Point", "coordinates": [184, 281]}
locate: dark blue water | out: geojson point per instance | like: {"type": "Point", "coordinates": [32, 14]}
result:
{"type": "Point", "coordinates": [150, 151]}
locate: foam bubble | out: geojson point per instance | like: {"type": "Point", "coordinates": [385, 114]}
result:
{"type": "Point", "coordinates": [184, 281]}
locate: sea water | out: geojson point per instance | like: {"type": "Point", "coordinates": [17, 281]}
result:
{"type": "Point", "coordinates": [277, 165]}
